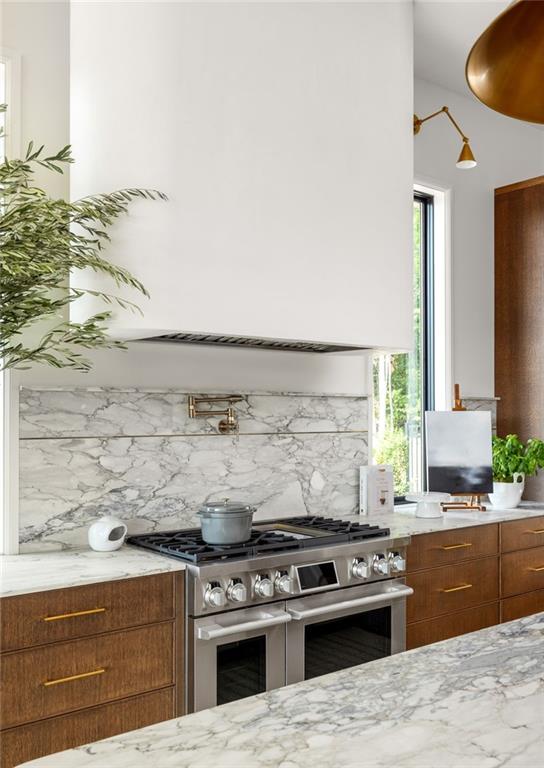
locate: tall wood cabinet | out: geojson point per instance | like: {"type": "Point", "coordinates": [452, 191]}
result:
{"type": "Point", "coordinates": [519, 313]}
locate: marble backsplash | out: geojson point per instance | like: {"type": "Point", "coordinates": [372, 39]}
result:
{"type": "Point", "coordinates": [137, 455]}
{"type": "Point", "coordinates": [483, 404]}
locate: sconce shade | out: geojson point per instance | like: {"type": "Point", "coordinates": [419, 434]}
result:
{"type": "Point", "coordinates": [466, 158]}
{"type": "Point", "coordinates": [505, 68]}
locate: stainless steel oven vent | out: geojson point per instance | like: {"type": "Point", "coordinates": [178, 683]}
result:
{"type": "Point", "coordinates": [252, 343]}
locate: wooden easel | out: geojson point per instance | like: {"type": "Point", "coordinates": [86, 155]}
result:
{"type": "Point", "coordinates": [474, 499]}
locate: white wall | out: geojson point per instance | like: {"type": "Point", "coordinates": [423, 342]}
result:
{"type": "Point", "coordinates": [208, 369]}
{"type": "Point", "coordinates": [506, 150]}
{"type": "Point", "coordinates": [39, 33]}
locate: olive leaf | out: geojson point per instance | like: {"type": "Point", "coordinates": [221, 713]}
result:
{"type": "Point", "coordinates": [42, 240]}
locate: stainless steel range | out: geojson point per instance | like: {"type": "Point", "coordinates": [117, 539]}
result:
{"type": "Point", "coordinates": [303, 597]}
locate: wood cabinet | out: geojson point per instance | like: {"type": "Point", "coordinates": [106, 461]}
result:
{"type": "Point", "coordinates": [84, 663]}
{"type": "Point", "coordinates": [519, 312]}
{"type": "Point", "coordinates": [455, 578]}
{"type": "Point", "coordinates": [451, 625]}
{"type": "Point", "coordinates": [474, 577]}
{"type": "Point", "coordinates": [522, 568]}
{"type": "Point", "coordinates": [65, 614]}
{"type": "Point", "coordinates": [447, 547]}
{"type": "Point", "coordinates": [453, 588]}
{"type": "Point", "coordinates": [522, 534]}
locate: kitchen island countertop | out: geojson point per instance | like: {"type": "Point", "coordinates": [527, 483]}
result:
{"type": "Point", "coordinates": [476, 701]}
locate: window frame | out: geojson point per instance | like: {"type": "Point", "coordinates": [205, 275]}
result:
{"type": "Point", "coordinates": [426, 201]}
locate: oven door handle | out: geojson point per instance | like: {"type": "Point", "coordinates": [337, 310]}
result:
{"type": "Point", "coordinates": [393, 593]}
{"type": "Point", "coordinates": [213, 631]}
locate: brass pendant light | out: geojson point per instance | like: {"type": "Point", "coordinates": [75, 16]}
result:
{"type": "Point", "coordinates": [505, 68]}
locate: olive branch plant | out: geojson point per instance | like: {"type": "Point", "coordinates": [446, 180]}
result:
{"type": "Point", "coordinates": [42, 240]}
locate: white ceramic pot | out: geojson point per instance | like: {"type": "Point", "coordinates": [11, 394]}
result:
{"type": "Point", "coordinates": [508, 495]}
{"type": "Point", "coordinates": [107, 534]}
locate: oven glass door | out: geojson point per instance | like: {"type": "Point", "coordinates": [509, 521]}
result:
{"type": "Point", "coordinates": [238, 654]}
{"type": "Point", "coordinates": [342, 629]}
{"type": "Point", "coordinates": [334, 644]}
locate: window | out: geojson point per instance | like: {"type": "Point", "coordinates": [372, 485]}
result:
{"type": "Point", "coordinates": [403, 384]}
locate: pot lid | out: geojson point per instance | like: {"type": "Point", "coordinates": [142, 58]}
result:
{"type": "Point", "coordinates": [225, 507]}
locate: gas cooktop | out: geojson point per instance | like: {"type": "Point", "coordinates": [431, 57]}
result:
{"type": "Point", "coordinates": [268, 537]}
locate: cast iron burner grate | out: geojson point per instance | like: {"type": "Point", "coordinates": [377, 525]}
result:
{"type": "Point", "coordinates": [189, 544]}
{"type": "Point", "coordinates": [355, 531]}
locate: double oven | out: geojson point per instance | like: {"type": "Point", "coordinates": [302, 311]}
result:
{"type": "Point", "coordinates": [327, 622]}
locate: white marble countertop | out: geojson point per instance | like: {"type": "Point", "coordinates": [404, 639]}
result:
{"type": "Point", "coordinates": [41, 571]}
{"type": "Point", "coordinates": [403, 521]}
{"type": "Point", "coordinates": [476, 701]}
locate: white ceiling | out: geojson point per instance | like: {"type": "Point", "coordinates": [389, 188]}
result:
{"type": "Point", "coordinates": [444, 33]}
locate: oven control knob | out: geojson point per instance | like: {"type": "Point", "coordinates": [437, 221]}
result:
{"type": "Point", "coordinates": [264, 587]}
{"type": "Point", "coordinates": [215, 596]}
{"type": "Point", "coordinates": [237, 592]}
{"type": "Point", "coordinates": [398, 562]}
{"type": "Point", "coordinates": [360, 569]}
{"type": "Point", "coordinates": [380, 565]}
{"type": "Point", "coordinates": [283, 583]}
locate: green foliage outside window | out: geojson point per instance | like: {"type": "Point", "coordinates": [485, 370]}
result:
{"type": "Point", "coordinates": [397, 383]}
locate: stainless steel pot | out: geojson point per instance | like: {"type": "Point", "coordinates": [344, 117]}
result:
{"type": "Point", "coordinates": [226, 522]}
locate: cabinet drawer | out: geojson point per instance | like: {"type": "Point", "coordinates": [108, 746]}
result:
{"type": "Point", "coordinates": [430, 550]}
{"type": "Point", "coordinates": [444, 627]}
{"type": "Point", "coordinates": [63, 614]}
{"type": "Point", "coordinates": [522, 571]}
{"type": "Point", "coordinates": [452, 588]}
{"type": "Point", "coordinates": [52, 680]}
{"type": "Point", "coordinates": [28, 742]}
{"type": "Point", "coordinates": [522, 605]}
{"type": "Point", "coordinates": [522, 534]}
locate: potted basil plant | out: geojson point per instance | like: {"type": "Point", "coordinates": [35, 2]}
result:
{"type": "Point", "coordinates": [513, 461]}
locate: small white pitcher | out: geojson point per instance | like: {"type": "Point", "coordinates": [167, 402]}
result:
{"type": "Point", "coordinates": [508, 495]}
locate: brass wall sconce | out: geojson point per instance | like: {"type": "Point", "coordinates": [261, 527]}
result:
{"type": "Point", "coordinates": [466, 158]}
{"type": "Point", "coordinates": [226, 426]}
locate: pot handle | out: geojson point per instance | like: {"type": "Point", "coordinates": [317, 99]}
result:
{"type": "Point", "coordinates": [518, 477]}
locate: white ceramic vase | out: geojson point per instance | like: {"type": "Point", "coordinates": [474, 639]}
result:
{"type": "Point", "coordinates": [107, 534]}
{"type": "Point", "coordinates": [508, 495]}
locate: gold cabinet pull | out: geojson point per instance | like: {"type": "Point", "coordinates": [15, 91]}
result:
{"type": "Point", "coordinates": [537, 530]}
{"type": "Point", "coordinates": [457, 589]}
{"type": "Point", "coordinates": [538, 569]}
{"type": "Point", "coordinates": [456, 546]}
{"type": "Point", "coordinates": [74, 677]}
{"type": "Point", "coordinates": [72, 615]}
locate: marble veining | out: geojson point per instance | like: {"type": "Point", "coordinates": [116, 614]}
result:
{"type": "Point", "coordinates": [112, 412]}
{"type": "Point", "coordinates": [476, 701]}
{"type": "Point", "coordinates": [157, 483]}
{"type": "Point", "coordinates": [72, 568]}
{"type": "Point", "coordinates": [136, 454]}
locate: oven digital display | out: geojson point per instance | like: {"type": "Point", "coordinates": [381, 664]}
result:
{"type": "Point", "coordinates": [319, 575]}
